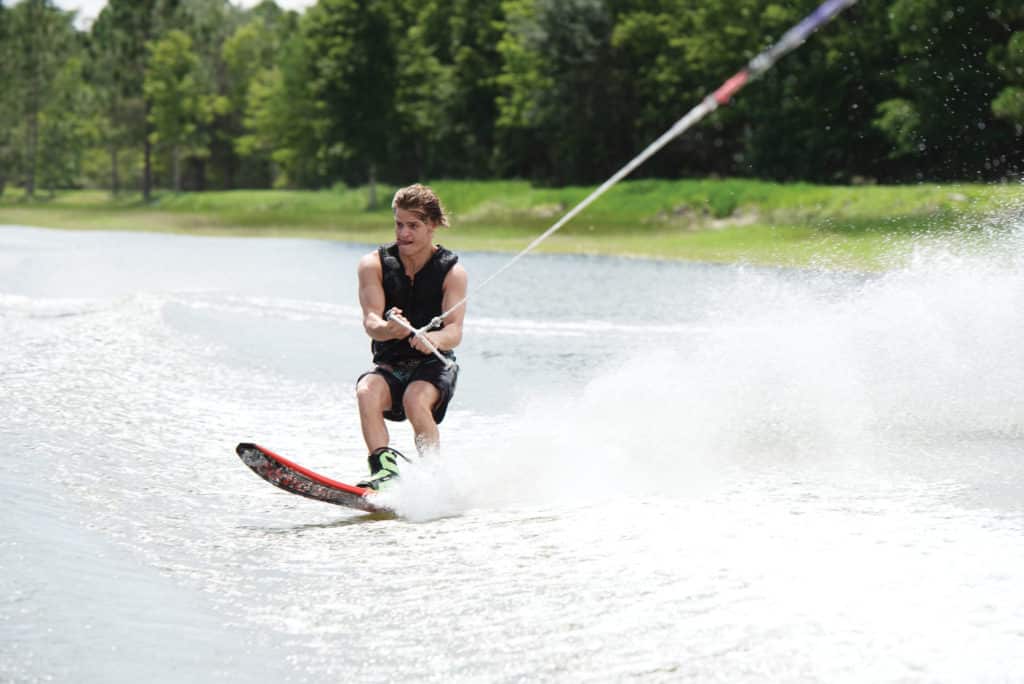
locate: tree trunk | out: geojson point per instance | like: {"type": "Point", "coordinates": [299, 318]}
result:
{"type": "Point", "coordinates": [33, 99]}
{"type": "Point", "coordinates": [147, 168]}
{"type": "Point", "coordinates": [33, 141]}
{"type": "Point", "coordinates": [115, 179]}
{"type": "Point", "coordinates": [373, 187]}
{"type": "Point", "coordinates": [33, 144]}
{"type": "Point", "coordinates": [176, 167]}
{"type": "Point", "coordinates": [198, 174]}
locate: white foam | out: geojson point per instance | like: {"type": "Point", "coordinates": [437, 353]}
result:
{"type": "Point", "coordinates": [783, 371]}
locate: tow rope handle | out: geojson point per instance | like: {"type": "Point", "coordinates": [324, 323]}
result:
{"type": "Point", "coordinates": [448, 363]}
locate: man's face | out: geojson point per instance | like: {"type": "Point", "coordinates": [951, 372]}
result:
{"type": "Point", "coordinates": [412, 233]}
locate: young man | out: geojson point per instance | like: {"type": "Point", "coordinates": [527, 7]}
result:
{"type": "Point", "coordinates": [410, 281]}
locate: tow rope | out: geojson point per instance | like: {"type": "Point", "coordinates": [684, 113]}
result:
{"type": "Point", "coordinates": [791, 40]}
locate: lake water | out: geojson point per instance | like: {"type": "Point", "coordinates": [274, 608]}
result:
{"type": "Point", "coordinates": [651, 471]}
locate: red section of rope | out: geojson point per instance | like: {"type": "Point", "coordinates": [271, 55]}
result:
{"type": "Point", "coordinates": [729, 88]}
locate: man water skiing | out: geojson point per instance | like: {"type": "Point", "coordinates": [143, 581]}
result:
{"type": "Point", "coordinates": [409, 281]}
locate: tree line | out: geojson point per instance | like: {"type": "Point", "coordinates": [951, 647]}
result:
{"type": "Point", "coordinates": [201, 94]}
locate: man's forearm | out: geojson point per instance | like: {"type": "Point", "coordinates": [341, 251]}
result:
{"type": "Point", "coordinates": [446, 338]}
{"type": "Point", "coordinates": [380, 330]}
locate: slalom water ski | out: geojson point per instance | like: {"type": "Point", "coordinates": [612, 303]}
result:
{"type": "Point", "coordinates": [293, 478]}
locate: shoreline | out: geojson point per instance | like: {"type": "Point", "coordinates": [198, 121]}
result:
{"type": "Point", "coordinates": [863, 228]}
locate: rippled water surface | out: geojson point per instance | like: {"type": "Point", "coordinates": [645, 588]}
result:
{"type": "Point", "coordinates": [651, 471]}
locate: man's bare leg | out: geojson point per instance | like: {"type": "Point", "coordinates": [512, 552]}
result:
{"type": "Point", "coordinates": [374, 398]}
{"type": "Point", "coordinates": [419, 401]}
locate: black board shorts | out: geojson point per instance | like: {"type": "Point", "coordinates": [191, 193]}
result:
{"type": "Point", "coordinates": [400, 374]}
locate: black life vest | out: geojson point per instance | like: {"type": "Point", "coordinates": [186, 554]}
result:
{"type": "Point", "coordinates": [419, 298]}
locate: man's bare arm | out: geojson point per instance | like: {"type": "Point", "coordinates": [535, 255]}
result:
{"type": "Point", "coordinates": [372, 301]}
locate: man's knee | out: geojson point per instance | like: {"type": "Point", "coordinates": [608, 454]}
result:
{"type": "Point", "coordinates": [419, 401]}
{"type": "Point", "coordinates": [372, 392]}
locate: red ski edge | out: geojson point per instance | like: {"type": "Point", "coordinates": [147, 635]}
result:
{"type": "Point", "coordinates": [291, 477]}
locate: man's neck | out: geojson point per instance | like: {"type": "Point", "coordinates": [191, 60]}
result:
{"type": "Point", "coordinates": [414, 262]}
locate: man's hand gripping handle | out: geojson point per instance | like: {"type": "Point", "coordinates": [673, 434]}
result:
{"type": "Point", "coordinates": [419, 333]}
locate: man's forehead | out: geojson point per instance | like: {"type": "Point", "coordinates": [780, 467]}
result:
{"type": "Point", "coordinates": [407, 215]}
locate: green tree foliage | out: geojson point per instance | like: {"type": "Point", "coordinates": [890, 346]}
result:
{"type": "Point", "coordinates": [180, 105]}
{"type": "Point", "coordinates": [1009, 60]}
{"type": "Point", "coordinates": [563, 110]}
{"type": "Point", "coordinates": [899, 121]}
{"type": "Point", "coordinates": [559, 91]}
{"type": "Point", "coordinates": [465, 35]}
{"type": "Point", "coordinates": [8, 110]}
{"type": "Point", "coordinates": [248, 53]}
{"type": "Point", "coordinates": [67, 127]}
{"type": "Point", "coordinates": [255, 57]}
{"type": "Point", "coordinates": [284, 122]}
{"type": "Point", "coordinates": [591, 98]}
{"type": "Point", "coordinates": [819, 99]}
{"type": "Point", "coordinates": [120, 34]}
{"type": "Point", "coordinates": [39, 39]}
{"type": "Point", "coordinates": [424, 88]}
{"type": "Point", "coordinates": [210, 24]}
{"type": "Point", "coordinates": [354, 79]}
{"type": "Point", "coordinates": [676, 51]}
{"type": "Point", "coordinates": [946, 87]}
{"type": "Point", "coordinates": [120, 113]}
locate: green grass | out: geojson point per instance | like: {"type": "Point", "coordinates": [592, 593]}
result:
{"type": "Point", "coordinates": [863, 227]}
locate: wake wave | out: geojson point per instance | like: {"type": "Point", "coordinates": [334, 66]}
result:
{"type": "Point", "coordinates": [28, 307]}
{"type": "Point", "coordinates": [917, 364]}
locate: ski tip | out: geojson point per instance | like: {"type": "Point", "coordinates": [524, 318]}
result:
{"type": "Point", "coordinates": [244, 446]}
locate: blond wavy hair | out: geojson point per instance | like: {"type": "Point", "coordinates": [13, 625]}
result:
{"type": "Point", "coordinates": [422, 201]}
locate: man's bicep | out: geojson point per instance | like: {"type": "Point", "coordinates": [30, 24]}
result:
{"type": "Point", "coordinates": [371, 298]}
{"type": "Point", "coordinates": [455, 288]}
{"type": "Point", "coordinates": [371, 291]}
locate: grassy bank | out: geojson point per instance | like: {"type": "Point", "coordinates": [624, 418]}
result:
{"type": "Point", "coordinates": [706, 220]}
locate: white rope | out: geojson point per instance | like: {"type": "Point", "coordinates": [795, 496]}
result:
{"type": "Point", "coordinates": [792, 39]}
{"type": "Point", "coordinates": [695, 115]}
{"type": "Point", "coordinates": [448, 363]}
